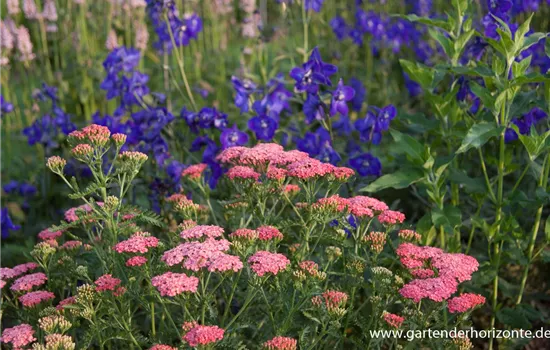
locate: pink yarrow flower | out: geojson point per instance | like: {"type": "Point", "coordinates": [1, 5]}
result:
{"type": "Point", "coordinates": [244, 234]}
{"type": "Point", "coordinates": [203, 335]}
{"type": "Point", "coordinates": [281, 343]}
{"type": "Point", "coordinates": [47, 234]}
{"type": "Point", "coordinates": [393, 320]}
{"type": "Point", "coordinates": [224, 262]}
{"type": "Point", "coordinates": [24, 268]}
{"type": "Point", "coordinates": [162, 347]}
{"type": "Point", "coordinates": [136, 261]}
{"type": "Point", "coordinates": [194, 171]}
{"type": "Point", "coordinates": [194, 254]}
{"type": "Point", "coordinates": [172, 284]}
{"type": "Point", "coordinates": [242, 173]}
{"type": "Point", "coordinates": [465, 302]}
{"type": "Point", "coordinates": [28, 282]}
{"type": "Point", "coordinates": [137, 244]}
{"type": "Point", "coordinates": [200, 231]}
{"type": "Point", "coordinates": [106, 282]}
{"type": "Point", "coordinates": [67, 301]}
{"type": "Point", "coordinates": [34, 298]}
{"type": "Point", "coordinates": [19, 336]}
{"type": "Point", "coordinates": [391, 217]}
{"type": "Point", "coordinates": [263, 262]}
{"type": "Point", "coordinates": [269, 233]}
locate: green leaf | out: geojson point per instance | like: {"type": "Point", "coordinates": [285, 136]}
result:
{"type": "Point", "coordinates": [409, 145]}
{"type": "Point", "coordinates": [462, 40]}
{"type": "Point", "coordinates": [479, 71]}
{"type": "Point", "coordinates": [513, 317]}
{"type": "Point", "coordinates": [420, 73]}
{"type": "Point", "coordinates": [521, 31]}
{"type": "Point", "coordinates": [450, 217]}
{"type": "Point", "coordinates": [483, 93]}
{"type": "Point", "coordinates": [547, 229]}
{"type": "Point", "coordinates": [400, 179]}
{"type": "Point", "coordinates": [530, 78]}
{"type": "Point", "coordinates": [472, 185]}
{"type": "Point", "coordinates": [478, 135]}
{"type": "Point", "coordinates": [531, 40]}
{"type": "Point", "coordinates": [431, 22]}
{"type": "Point", "coordinates": [444, 41]}
{"type": "Point", "coordinates": [519, 68]}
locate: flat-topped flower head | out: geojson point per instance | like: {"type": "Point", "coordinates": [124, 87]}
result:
{"type": "Point", "coordinates": [119, 139]}
{"type": "Point", "coordinates": [436, 289]}
{"type": "Point", "coordinates": [66, 301]}
{"type": "Point", "coordinates": [18, 336]}
{"type": "Point", "coordinates": [34, 298]}
{"type": "Point", "coordinates": [334, 203]}
{"type": "Point", "coordinates": [222, 262]}
{"type": "Point", "coordinates": [137, 243]}
{"type": "Point", "coordinates": [200, 231]}
{"type": "Point", "coordinates": [291, 189]}
{"type": "Point", "coordinates": [28, 282]}
{"type": "Point", "coordinates": [48, 234]}
{"type": "Point", "coordinates": [194, 171]}
{"type": "Point", "coordinates": [369, 202]}
{"type": "Point", "coordinates": [56, 164]}
{"type": "Point", "coordinates": [391, 217]}
{"type": "Point", "coordinates": [97, 135]}
{"type": "Point", "coordinates": [275, 173]}
{"type": "Point", "coordinates": [136, 261]}
{"type": "Point", "coordinates": [106, 282]}
{"type": "Point", "coordinates": [334, 301]}
{"type": "Point", "coordinates": [59, 341]}
{"type": "Point", "coordinates": [281, 343]}
{"type": "Point", "coordinates": [172, 284]}
{"type": "Point", "coordinates": [24, 268]}
{"type": "Point", "coordinates": [240, 172]}
{"type": "Point", "coordinates": [132, 156]}
{"type": "Point", "coordinates": [393, 320]}
{"type": "Point", "coordinates": [264, 262]}
{"type": "Point", "coordinates": [376, 241]}
{"type": "Point", "coordinates": [82, 151]}
{"type": "Point", "coordinates": [465, 302]}
{"type": "Point", "coordinates": [244, 234]}
{"type": "Point", "coordinates": [71, 245]}
{"type": "Point", "coordinates": [342, 173]}
{"type": "Point", "coordinates": [203, 335]}
{"type": "Point", "coordinates": [409, 236]}
{"type": "Point", "coordinates": [162, 347]}
{"type": "Point", "coordinates": [309, 168]}
{"type": "Point", "coordinates": [195, 255]}
{"type": "Point", "coordinates": [269, 233]}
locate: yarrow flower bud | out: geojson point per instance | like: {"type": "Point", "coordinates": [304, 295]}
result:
{"type": "Point", "coordinates": [376, 241]}
{"type": "Point", "coordinates": [82, 151]}
{"type": "Point", "coordinates": [244, 234]}
{"type": "Point", "coordinates": [333, 253]}
{"type": "Point", "coordinates": [409, 236]}
{"type": "Point", "coordinates": [269, 233]}
{"type": "Point", "coordinates": [203, 335]}
{"type": "Point", "coordinates": [56, 164]}
{"type": "Point", "coordinates": [111, 203]}
{"type": "Point", "coordinates": [85, 294]}
{"type": "Point", "coordinates": [58, 342]}
{"type": "Point", "coordinates": [356, 267]}
{"type": "Point", "coordinates": [42, 251]}
{"type": "Point", "coordinates": [281, 343]}
{"type": "Point", "coordinates": [463, 343]}
{"type": "Point", "coordinates": [119, 139]}
{"type": "Point", "coordinates": [391, 217]}
{"type": "Point", "coordinates": [334, 302]}
{"type": "Point", "coordinates": [51, 324]}
{"type": "Point", "coordinates": [133, 160]}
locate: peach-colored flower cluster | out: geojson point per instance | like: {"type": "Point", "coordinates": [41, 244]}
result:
{"type": "Point", "coordinates": [194, 171]}
{"type": "Point", "coordinates": [70, 245]}
{"type": "Point", "coordinates": [162, 347]}
{"type": "Point", "coordinates": [409, 236]}
{"type": "Point", "coordinates": [97, 135]}
{"type": "Point", "coordinates": [465, 302]}
{"type": "Point", "coordinates": [182, 203]}
{"type": "Point", "coordinates": [172, 284]}
{"type": "Point", "coordinates": [331, 299]}
{"type": "Point", "coordinates": [391, 217]}
{"type": "Point", "coordinates": [244, 234]}
{"type": "Point", "coordinates": [263, 262]}
{"type": "Point", "coordinates": [451, 268]}
{"type": "Point", "coordinates": [376, 241]}
{"type": "Point", "coordinates": [28, 282]}
{"type": "Point", "coordinates": [393, 320]}
{"type": "Point", "coordinates": [18, 336]}
{"type": "Point", "coordinates": [82, 150]}
{"type": "Point", "coordinates": [281, 343]}
{"type": "Point", "coordinates": [137, 243]}
{"type": "Point", "coordinates": [133, 156]}
{"type": "Point", "coordinates": [34, 298]}
{"type": "Point", "coordinates": [203, 335]}
{"type": "Point", "coordinates": [359, 206]}
{"type": "Point", "coordinates": [47, 234]}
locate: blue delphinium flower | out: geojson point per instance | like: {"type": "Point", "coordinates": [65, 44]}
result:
{"type": "Point", "coordinates": [7, 223]}
{"type": "Point", "coordinates": [318, 145]}
{"type": "Point", "coordinates": [367, 128]}
{"type": "Point", "coordinates": [264, 127]}
{"type": "Point", "coordinates": [233, 137]}
{"type": "Point", "coordinates": [27, 190]}
{"type": "Point", "coordinates": [339, 27]}
{"type": "Point", "coordinates": [11, 187]}
{"type": "Point", "coordinates": [422, 8]}
{"type": "Point", "coordinates": [5, 106]}
{"type": "Point", "coordinates": [525, 123]}
{"type": "Point", "coordinates": [276, 100]}
{"type": "Point", "coordinates": [340, 97]}
{"type": "Point", "coordinates": [366, 165]}
{"type": "Point", "coordinates": [327, 154]}
{"type": "Point", "coordinates": [360, 94]}
{"type": "Point", "coordinates": [314, 5]}
{"type": "Point", "coordinates": [314, 108]}
{"type": "Point", "coordinates": [342, 126]}
{"type": "Point", "coordinates": [244, 89]}
{"type": "Point", "coordinates": [412, 86]}
{"type": "Point", "coordinates": [312, 73]}
{"type": "Point", "coordinates": [384, 117]}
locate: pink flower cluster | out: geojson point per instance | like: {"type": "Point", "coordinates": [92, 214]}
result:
{"type": "Point", "coordinates": [106, 282]}
{"type": "Point", "coordinates": [70, 245]}
{"type": "Point", "coordinates": [359, 206]}
{"type": "Point", "coordinates": [393, 320]}
{"type": "Point", "coordinates": [409, 236]}
{"type": "Point", "coordinates": [465, 302]}
{"type": "Point", "coordinates": [269, 233]}
{"type": "Point", "coordinates": [9, 273]}
{"type": "Point", "coordinates": [19, 336]}
{"type": "Point", "coordinates": [194, 254]}
{"type": "Point", "coordinates": [28, 282]}
{"type": "Point", "coordinates": [244, 234]}
{"type": "Point", "coordinates": [181, 202]}
{"type": "Point", "coordinates": [276, 163]}
{"type": "Point", "coordinates": [194, 171]}
{"type": "Point", "coordinates": [200, 231]}
{"type": "Point", "coordinates": [263, 262]}
{"type": "Point", "coordinates": [66, 301]}
{"type": "Point", "coordinates": [331, 299]}
{"type": "Point", "coordinates": [47, 234]}
{"type": "Point", "coordinates": [451, 269]}
{"type": "Point", "coordinates": [137, 243]}
{"type": "Point", "coordinates": [222, 262]}
{"type": "Point", "coordinates": [281, 343]}
{"type": "Point", "coordinates": [34, 298]}
{"type": "Point", "coordinates": [95, 134]}
{"type": "Point", "coordinates": [162, 347]}
{"type": "Point", "coordinates": [172, 284]}
{"type": "Point", "coordinates": [136, 261]}
{"type": "Point", "coordinates": [71, 214]}
{"type": "Point", "coordinates": [391, 217]}
{"type": "Point", "coordinates": [203, 335]}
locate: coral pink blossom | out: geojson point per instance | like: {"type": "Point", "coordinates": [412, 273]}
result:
{"type": "Point", "coordinates": [71, 214]}
{"type": "Point", "coordinates": [342, 173]}
{"type": "Point", "coordinates": [67, 301]}
{"type": "Point", "coordinates": [172, 284]}
{"type": "Point", "coordinates": [71, 245]}
{"type": "Point", "coordinates": [34, 298]}
{"type": "Point", "coordinates": [106, 282]}
{"type": "Point", "coordinates": [194, 254]}
{"type": "Point", "coordinates": [2, 284]}
{"type": "Point", "coordinates": [203, 335]}
{"type": "Point", "coordinates": [332, 203]}
{"type": "Point", "coordinates": [202, 231]}
{"type": "Point", "coordinates": [268, 233]}
{"type": "Point", "coordinates": [162, 347]}
{"type": "Point", "coordinates": [24, 268]}
{"type": "Point", "coordinates": [275, 173]}
{"type": "Point", "coordinates": [291, 188]}
{"type": "Point", "coordinates": [242, 172]}
{"type": "Point", "coordinates": [465, 302]}
{"type": "Point", "coordinates": [423, 273]}
{"type": "Point", "coordinates": [391, 217]}
{"type": "Point", "coordinates": [263, 262]}
{"type": "Point", "coordinates": [46, 234]}
{"type": "Point", "coordinates": [222, 262]}
{"type": "Point", "coordinates": [7, 273]}
{"type": "Point", "coordinates": [281, 343]}
{"type": "Point", "coordinates": [393, 320]}
{"type": "Point", "coordinates": [194, 171]}
{"type": "Point", "coordinates": [19, 336]}
{"type": "Point", "coordinates": [436, 289]}
{"type": "Point", "coordinates": [136, 261]}
{"type": "Point", "coordinates": [310, 267]}
{"type": "Point", "coordinates": [28, 282]}
{"type": "Point", "coordinates": [369, 202]}
{"type": "Point", "coordinates": [230, 154]}
{"type": "Point", "coordinates": [309, 168]}
{"type": "Point", "coordinates": [137, 244]}
{"type": "Point", "coordinates": [409, 236]}
{"type": "Point", "coordinates": [244, 233]}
